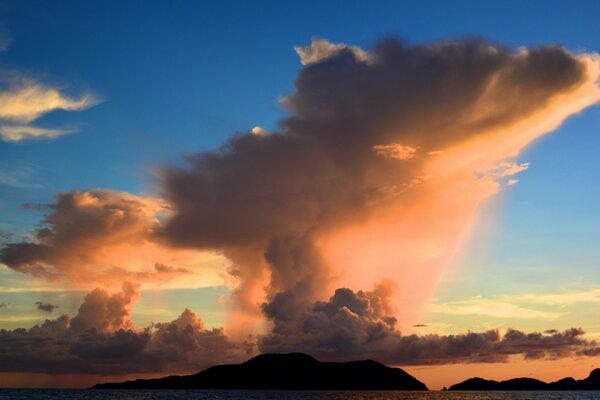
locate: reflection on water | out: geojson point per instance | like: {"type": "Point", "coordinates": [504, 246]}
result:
{"type": "Point", "coordinates": [35, 394]}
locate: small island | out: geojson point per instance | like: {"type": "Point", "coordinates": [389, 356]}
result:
{"type": "Point", "coordinates": [294, 371]}
{"type": "Point", "coordinates": [592, 382]}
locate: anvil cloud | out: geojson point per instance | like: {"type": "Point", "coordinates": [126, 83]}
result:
{"type": "Point", "coordinates": [373, 180]}
{"type": "Point", "coordinates": [379, 170]}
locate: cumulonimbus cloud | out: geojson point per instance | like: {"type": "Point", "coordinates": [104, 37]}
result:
{"type": "Point", "coordinates": [379, 170]}
{"type": "Point", "coordinates": [376, 176]}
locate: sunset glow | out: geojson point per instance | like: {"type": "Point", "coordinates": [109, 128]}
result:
{"type": "Point", "coordinates": [426, 201]}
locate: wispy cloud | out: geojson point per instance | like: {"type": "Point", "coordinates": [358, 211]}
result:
{"type": "Point", "coordinates": [520, 306]}
{"type": "Point", "coordinates": [491, 308]}
{"type": "Point", "coordinates": [19, 176]}
{"type": "Point", "coordinates": [562, 298]}
{"type": "Point", "coordinates": [24, 100]}
{"type": "Point", "coordinates": [17, 133]}
{"type": "Point", "coordinates": [27, 100]}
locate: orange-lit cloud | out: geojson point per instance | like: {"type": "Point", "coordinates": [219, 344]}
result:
{"type": "Point", "coordinates": [352, 325]}
{"type": "Point", "coordinates": [380, 169]}
{"type": "Point", "coordinates": [395, 151]}
{"type": "Point", "coordinates": [102, 238]}
{"type": "Point", "coordinates": [322, 49]}
{"type": "Point", "coordinates": [374, 180]}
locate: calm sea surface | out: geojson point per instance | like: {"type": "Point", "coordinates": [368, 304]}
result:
{"type": "Point", "coordinates": [27, 394]}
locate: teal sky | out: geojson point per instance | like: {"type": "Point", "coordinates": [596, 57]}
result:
{"type": "Point", "coordinates": [171, 79]}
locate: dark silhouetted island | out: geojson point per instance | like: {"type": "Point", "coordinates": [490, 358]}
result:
{"type": "Point", "coordinates": [592, 382]}
{"type": "Point", "coordinates": [295, 371]}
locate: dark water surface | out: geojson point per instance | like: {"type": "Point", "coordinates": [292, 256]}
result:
{"type": "Point", "coordinates": [34, 394]}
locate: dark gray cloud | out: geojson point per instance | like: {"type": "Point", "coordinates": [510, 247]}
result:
{"type": "Point", "coordinates": [317, 171]}
{"type": "Point", "coordinates": [101, 339]}
{"type": "Point", "coordinates": [356, 149]}
{"type": "Point", "coordinates": [356, 325]}
{"type": "Point", "coordinates": [360, 135]}
{"type": "Point", "coordinates": [357, 144]}
{"type": "Point", "coordinates": [46, 307]}
{"type": "Point", "coordinates": [350, 325]}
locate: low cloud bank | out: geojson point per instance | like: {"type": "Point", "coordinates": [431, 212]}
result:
{"type": "Point", "coordinates": [102, 339]}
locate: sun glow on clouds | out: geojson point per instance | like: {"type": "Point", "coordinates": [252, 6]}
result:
{"type": "Point", "coordinates": [400, 162]}
{"type": "Point", "coordinates": [374, 180]}
{"type": "Point", "coordinates": [414, 245]}
{"type": "Point", "coordinates": [105, 237]}
{"type": "Point", "coordinates": [493, 309]}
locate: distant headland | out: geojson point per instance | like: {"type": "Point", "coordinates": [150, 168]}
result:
{"type": "Point", "coordinates": [592, 382]}
{"type": "Point", "coordinates": [295, 371]}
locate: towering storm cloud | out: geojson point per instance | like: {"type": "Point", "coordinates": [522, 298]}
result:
{"type": "Point", "coordinates": [372, 181]}
{"type": "Point", "coordinates": [378, 171]}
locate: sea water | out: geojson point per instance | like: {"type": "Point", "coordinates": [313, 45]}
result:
{"type": "Point", "coordinates": [43, 394]}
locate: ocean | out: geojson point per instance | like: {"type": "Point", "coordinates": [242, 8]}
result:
{"type": "Point", "coordinates": [43, 394]}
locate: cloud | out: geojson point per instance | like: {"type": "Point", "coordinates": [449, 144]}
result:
{"type": "Point", "coordinates": [492, 308]}
{"type": "Point", "coordinates": [258, 131]}
{"type": "Point", "coordinates": [17, 133]}
{"type": "Point", "coordinates": [46, 307]}
{"type": "Point", "coordinates": [561, 298]}
{"type": "Point", "coordinates": [355, 325]}
{"type": "Point", "coordinates": [24, 100]}
{"type": "Point", "coordinates": [512, 168]}
{"type": "Point", "coordinates": [105, 312]}
{"type": "Point", "coordinates": [395, 151]}
{"type": "Point", "coordinates": [101, 339]}
{"type": "Point", "coordinates": [18, 176]}
{"type": "Point", "coordinates": [318, 204]}
{"type": "Point", "coordinates": [3, 305]}
{"type": "Point", "coordinates": [97, 237]}
{"type": "Point", "coordinates": [321, 49]}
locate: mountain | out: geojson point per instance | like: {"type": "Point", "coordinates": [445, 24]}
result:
{"type": "Point", "coordinates": [592, 382]}
{"type": "Point", "coordinates": [295, 371]}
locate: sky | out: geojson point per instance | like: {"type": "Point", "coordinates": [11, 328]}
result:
{"type": "Point", "coordinates": [194, 183]}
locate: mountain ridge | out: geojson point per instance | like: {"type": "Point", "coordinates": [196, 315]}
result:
{"type": "Point", "coordinates": [293, 371]}
{"type": "Point", "coordinates": [592, 382]}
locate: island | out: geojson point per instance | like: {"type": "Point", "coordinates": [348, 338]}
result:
{"type": "Point", "coordinates": [294, 371]}
{"type": "Point", "coordinates": [592, 382]}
